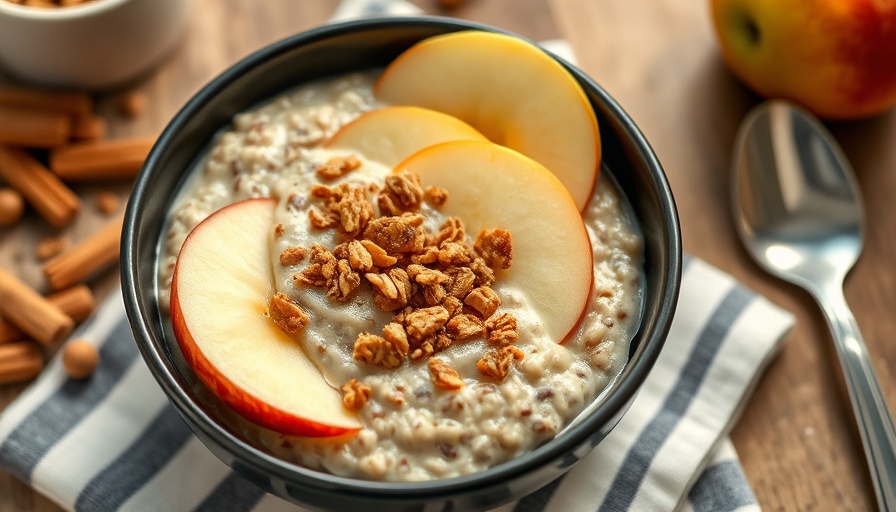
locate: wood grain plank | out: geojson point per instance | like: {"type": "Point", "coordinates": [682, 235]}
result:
{"type": "Point", "coordinates": [659, 59]}
{"type": "Point", "coordinates": [796, 437]}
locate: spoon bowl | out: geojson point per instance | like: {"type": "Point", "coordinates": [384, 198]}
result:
{"type": "Point", "coordinates": [799, 213]}
{"type": "Point", "coordinates": [797, 204]}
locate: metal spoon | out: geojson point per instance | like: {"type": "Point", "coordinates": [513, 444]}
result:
{"type": "Point", "coordinates": [799, 214]}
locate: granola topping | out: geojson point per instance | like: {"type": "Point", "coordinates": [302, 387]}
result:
{"type": "Point", "coordinates": [355, 395]}
{"type": "Point", "coordinates": [288, 315]}
{"type": "Point", "coordinates": [496, 363]}
{"type": "Point", "coordinates": [425, 322]}
{"type": "Point", "coordinates": [378, 255]}
{"type": "Point", "coordinates": [460, 281]}
{"type": "Point", "coordinates": [464, 327]}
{"type": "Point", "coordinates": [436, 283]}
{"type": "Point", "coordinates": [396, 235]}
{"type": "Point", "coordinates": [321, 270]}
{"type": "Point", "coordinates": [323, 219]}
{"type": "Point", "coordinates": [345, 206]}
{"type": "Point", "coordinates": [401, 193]}
{"type": "Point", "coordinates": [502, 329]}
{"type": "Point", "coordinates": [359, 257]}
{"type": "Point", "coordinates": [444, 376]}
{"type": "Point", "coordinates": [378, 351]}
{"type": "Point", "coordinates": [345, 282]}
{"type": "Point", "coordinates": [495, 248]}
{"type": "Point", "coordinates": [293, 256]}
{"type": "Point", "coordinates": [436, 196]}
{"type": "Point", "coordinates": [452, 230]}
{"type": "Point", "coordinates": [392, 289]}
{"type": "Point", "coordinates": [337, 167]}
{"type": "Point", "coordinates": [483, 300]}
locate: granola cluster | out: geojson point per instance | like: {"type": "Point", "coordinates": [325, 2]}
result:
{"type": "Point", "coordinates": [436, 284]}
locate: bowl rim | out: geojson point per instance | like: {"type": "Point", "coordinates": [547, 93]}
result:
{"type": "Point", "coordinates": [59, 14]}
{"type": "Point", "coordinates": [635, 371]}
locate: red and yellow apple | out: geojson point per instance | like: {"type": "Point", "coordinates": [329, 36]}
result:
{"type": "Point", "coordinates": [509, 90]}
{"type": "Point", "coordinates": [389, 135]}
{"type": "Point", "coordinates": [837, 58]}
{"type": "Point", "coordinates": [220, 292]}
{"type": "Point", "coordinates": [492, 187]}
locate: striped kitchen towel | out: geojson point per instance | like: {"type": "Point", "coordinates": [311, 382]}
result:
{"type": "Point", "coordinates": [113, 442]}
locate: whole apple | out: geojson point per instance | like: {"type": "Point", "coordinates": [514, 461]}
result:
{"type": "Point", "coordinates": [835, 57]}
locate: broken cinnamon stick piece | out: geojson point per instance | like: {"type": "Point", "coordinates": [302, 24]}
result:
{"type": "Point", "coordinates": [73, 103]}
{"type": "Point", "coordinates": [34, 128]}
{"type": "Point", "coordinates": [89, 128]}
{"type": "Point", "coordinates": [77, 302]}
{"type": "Point", "coordinates": [86, 258]}
{"type": "Point", "coordinates": [50, 246]}
{"type": "Point", "coordinates": [32, 313]}
{"type": "Point", "coordinates": [20, 361]}
{"type": "Point", "coordinates": [42, 189]}
{"type": "Point", "coordinates": [101, 160]}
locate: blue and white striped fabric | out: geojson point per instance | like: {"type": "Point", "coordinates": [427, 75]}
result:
{"type": "Point", "coordinates": [113, 442]}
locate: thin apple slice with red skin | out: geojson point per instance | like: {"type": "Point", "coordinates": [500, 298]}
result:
{"type": "Point", "coordinates": [511, 91]}
{"type": "Point", "coordinates": [492, 187]}
{"type": "Point", "coordinates": [389, 135]}
{"type": "Point", "coordinates": [220, 293]}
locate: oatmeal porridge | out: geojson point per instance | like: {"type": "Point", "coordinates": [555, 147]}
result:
{"type": "Point", "coordinates": [457, 375]}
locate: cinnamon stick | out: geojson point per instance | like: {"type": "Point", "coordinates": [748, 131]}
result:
{"type": "Point", "coordinates": [34, 128]}
{"type": "Point", "coordinates": [73, 103]}
{"type": "Point", "coordinates": [32, 313]}
{"type": "Point", "coordinates": [101, 160]}
{"type": "Point", "coordinates": [42, 189]}
{"type": "Point", "coordinates": [77, 302]}
{"type": "Point", "coordinates": [91, 255]}
{"type": "Point", "coordinates": [20, 361]}
{"type": "Point", "coordinates": [9, 332]}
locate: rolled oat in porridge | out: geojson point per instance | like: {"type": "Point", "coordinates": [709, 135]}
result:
{"type": "Point", "coordinates": [447, 365]}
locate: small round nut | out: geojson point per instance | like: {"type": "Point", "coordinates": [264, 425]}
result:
{"type": "Point", "coordinates": [79, 358]}
{"type": "Point", "coordinates": [132, 104]}
{"type": "Point", "coordinates": [11, 206]}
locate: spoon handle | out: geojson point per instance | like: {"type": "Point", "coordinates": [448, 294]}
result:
{"type": "Point", "coordinates": [869, 405]}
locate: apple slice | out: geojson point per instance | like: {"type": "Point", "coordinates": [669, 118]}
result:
{"type": "Point", "coordinates": [391, 134]}
{"type": "Point", "coordinates": [511, 91]}
{"type": "Point", "coordinates": [493, 187]}
{"type": "Point", "coordinates": [219, 299]}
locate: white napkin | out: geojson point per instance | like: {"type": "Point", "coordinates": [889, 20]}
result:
{"type": "Point", "coordinates": [113, 442]}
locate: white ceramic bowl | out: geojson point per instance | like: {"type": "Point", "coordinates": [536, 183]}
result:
{"type": "Point", "coordinates": [96, 45]}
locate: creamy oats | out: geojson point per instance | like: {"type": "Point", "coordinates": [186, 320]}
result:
{"type": "Point", "coordinates": [413, 429]}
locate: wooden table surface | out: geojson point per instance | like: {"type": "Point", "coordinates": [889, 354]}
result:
{"type": "Point", "coordinates": [659, 59]}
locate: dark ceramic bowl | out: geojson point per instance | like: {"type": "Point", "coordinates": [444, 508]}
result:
{"type": "Point", "coordinates": [335, 50]}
